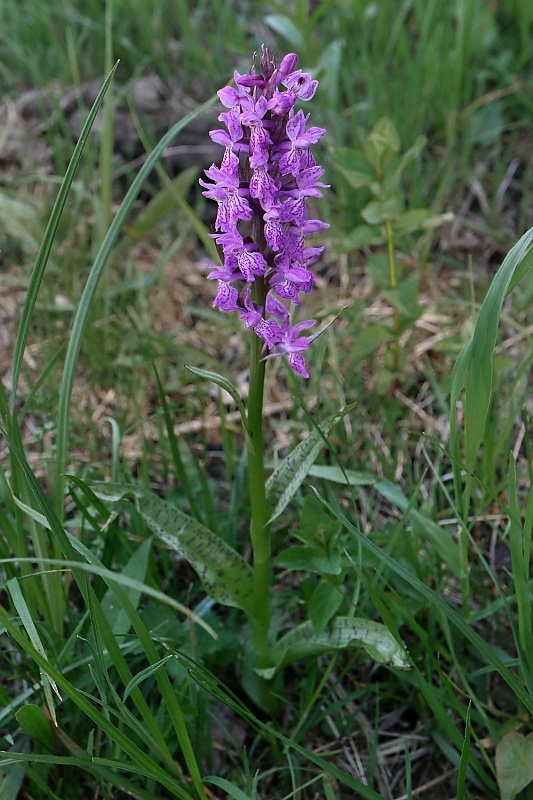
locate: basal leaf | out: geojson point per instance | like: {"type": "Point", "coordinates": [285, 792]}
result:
{"type": "Point", "coordinates": [224, 573]}
{"type": "Point", "coordinates": [344, 632]}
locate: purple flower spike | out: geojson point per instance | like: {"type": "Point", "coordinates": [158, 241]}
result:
{"type": "Point", "coordinates": [262, 186]}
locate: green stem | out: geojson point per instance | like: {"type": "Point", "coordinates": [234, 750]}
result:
{"type": "Point", "coordinates": [393, 285]}
{"type": "Point", "coordinates": [259, 532]}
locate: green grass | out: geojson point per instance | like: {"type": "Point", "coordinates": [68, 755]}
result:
{"type": "Point", "coordinates": [426, 484]}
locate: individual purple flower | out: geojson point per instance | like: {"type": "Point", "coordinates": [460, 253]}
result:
{"type": "Point", "coordinates": [250, 263]}
{"type": "Point", "coordinates": [269, 330]}
{"type": "Point", "coordinates": [262, 187]}
{"type": "Point", "coordinates": [290, 152]}
{"type": "Point", "coordinates": [253, 118]}
{"type": "Point", "coordinates": [232, 121]}
{"type": "Point", "coordinates": [295, 235]}
{"type": "Point", "coordinates": [288, 282]}
{"type": "Point", "coordinates": [249, 313]}
{"type": "Point", "coordinates": [275, 233]}
{"type": "Point", "coordinates": [231, 97]}
{"type": "Point", "coordinates": [286, 67]}
{"type": "Point", "coordinates": [301, 84]}
{"type": "Point", "coordinates": [230, 196]}
{"type": "Point", "coordinates": [227, 297]}
{"type": "Point", "coordinates": [292, 345]}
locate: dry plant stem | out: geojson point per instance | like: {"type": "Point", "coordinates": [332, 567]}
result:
{"type": "Point", "coordinates": [393, 285]}
{"type": "Point", "coordinates": [259, 531]}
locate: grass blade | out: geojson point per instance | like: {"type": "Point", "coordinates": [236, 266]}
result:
{"type": "Point", "coordinates": [49, 236]}
{"type": "Point", "coordinates": [86, 300]}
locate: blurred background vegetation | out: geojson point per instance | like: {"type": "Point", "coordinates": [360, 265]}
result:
{"type": "Point", "coordinates": [442, 91]}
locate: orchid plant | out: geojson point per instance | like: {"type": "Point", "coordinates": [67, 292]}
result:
{"type": "Point", "coordinates": [262, 186]}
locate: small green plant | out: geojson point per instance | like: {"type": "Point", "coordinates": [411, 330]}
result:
{"type": "Point", "coordinates": [378, 170]}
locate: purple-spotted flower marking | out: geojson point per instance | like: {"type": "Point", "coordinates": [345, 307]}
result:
{"type": "Point", "coordinates": [267, 173]}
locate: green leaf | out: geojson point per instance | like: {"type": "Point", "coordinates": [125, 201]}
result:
{"type": "Point", "coordinates": [224, 573]}
{"type": "Point", "coordinates": [353, 165]}
{"type": "Point", "coordinates": [26, 619]}
{"type": "Point", "coordinates": [286, 28]}
{"type": "Point", "coordinates": [378, 268]}
{"type": "Point", "coordinates": [328, 563]}
{"type": "Point", "coordinates": [420, 219]}
{"type": "Point", "coordinates": [289, 476]}
{"type": "Point", "coordinates": [230, 788]}
{"type": "Point", "coordinates": [309, 560]}
{"type": "Point", "coordinates": [228, 387]}
{"type": "Point", "coordinates": [473, 369]}
{"type": "Point", "coordinates": [141, 760]}
{"type": "Point", "coordinates": [162, 204]}
{"type": "Point", "coordinates": [379, 211]}
{"type": "Point", "coordinates": [143, 675]}
{"type": "Point", "coordinates": [135, 569]}
{"type": "Point", "coordinates": [298, 557]}
{"type": "Point", "coordinates": [329, 791]}
{"type": "Point", "coordinates": [405, 299]}
{"type": "Point", "coordinates": [366, 341]}
{"type": "Point", "coordinates": [382, 144]}
{"type": "Point", "coordinates": [324, 604]}
{"type": "Point", "coordinates": [514, 763]}
{"type": "Point", "coordinates": [48, 238]}
{"type": "Point", "coordinates": [407, 158]}
{"type": "Point", "coordinates": [11, 778]}
{"type": "Point", "coordinates": [36, 725]}
{"type": "Point", "coordinates": [344, 632]}
{"type": "Point", "coordinates": [18, 220]}
{"type": "Point", "coordinates": [361, 236]}
{"type": "Point", "coordinates": [84, 305]}
{"type": "Point", "coordinates": [465, 756]}
{"type": "Point", "coordinates": [108, 491]}
{"type": "Point", "coordinates": [347, 477]}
